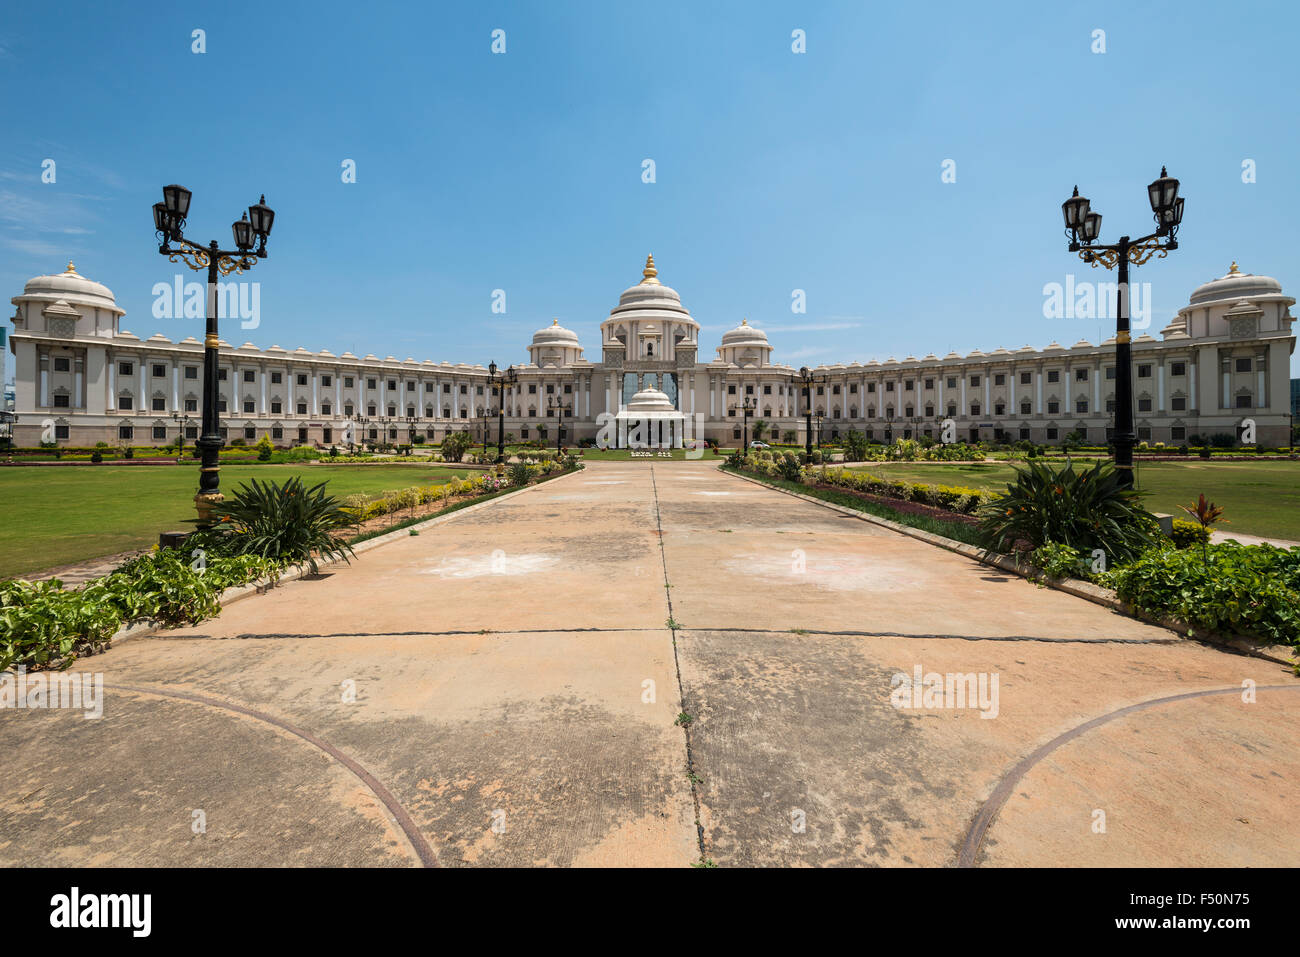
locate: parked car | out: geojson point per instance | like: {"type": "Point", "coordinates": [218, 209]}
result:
{"type": "Point", "coordinates": [759, 445]}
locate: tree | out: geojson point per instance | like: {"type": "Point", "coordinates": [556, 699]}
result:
{"type": "Point", "coordinates": [760, 427]}
{"type": "Point", "coordinates": [264, 449]}
{"type": "Point", "coordinates": [455, 445]}
{"type": "Point", "coordinates": [855, 446]}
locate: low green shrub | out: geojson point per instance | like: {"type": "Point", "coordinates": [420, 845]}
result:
{"type": "Point", "coordinates": [1059, 561]}
{"type": "Point", "coordinates": [1189, 534]}
{"type": "Point", "coordinates": [1245, 589]}
{"type": "Point", "coordinates": [43, 625]}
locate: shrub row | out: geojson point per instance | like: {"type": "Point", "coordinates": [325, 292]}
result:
{"type": "Point", "coordinates": [1249, 589]}
{"type": "Point", "coordinates": [364, 507]}
{"type": "Point", "coordinates": [953, 498]}
{"type": "Point", "coordinates": [42, 625]}
{"type": "Point", "coordinates": [785, 465]}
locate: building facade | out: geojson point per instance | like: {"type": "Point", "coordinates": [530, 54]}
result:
{"type": "Point", "coordinates": [80, 378]}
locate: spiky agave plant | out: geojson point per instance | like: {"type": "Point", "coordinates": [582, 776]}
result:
{"type": "Point", "coordinates": [1086, 510]}
{"type": "Point", "coordinates": [286, 522]}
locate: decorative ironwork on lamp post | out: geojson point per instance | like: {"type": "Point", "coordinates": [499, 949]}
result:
{"type": "Point", "coordinates": [250, 235]}
{"type": "Point", "coordinates": [1082, 226]}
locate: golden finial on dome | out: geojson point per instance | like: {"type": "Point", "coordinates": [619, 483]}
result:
{"type": "Point", "coordinates": [1233, 268]}
{"type": "Point", "coordinates": [650, 272]}
{"type": "Point", "coordinates": [745, 321]}
{"type": "Point", "coordinates": [71, 268]}
{"type": "Point", "coordinates": [555, 322]}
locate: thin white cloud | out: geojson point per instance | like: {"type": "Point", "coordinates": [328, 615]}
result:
{"type": "Point", "coordinates": [33, 247]}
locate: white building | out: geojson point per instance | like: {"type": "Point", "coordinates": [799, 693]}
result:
{"type": "Point", "coordinates": [81, 378]}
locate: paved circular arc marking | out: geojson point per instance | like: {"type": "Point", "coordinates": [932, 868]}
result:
{"type": "Point", "coordinates": [988, 813]}
{"type": "Point", "coordinates": [403, 819]}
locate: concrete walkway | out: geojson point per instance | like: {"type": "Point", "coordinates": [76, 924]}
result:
{"type": "Point", "coordinates": [1218, 537]}
{"type": "Point", "coordinates": [504, 690]}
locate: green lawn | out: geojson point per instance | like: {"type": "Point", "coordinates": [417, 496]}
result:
{"type": "Point", "coordinates": [1259, 498]}
{"type": "Point", "coordinates": [57, 515]}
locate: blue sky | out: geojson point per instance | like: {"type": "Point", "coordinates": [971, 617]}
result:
{"type": "Point", "coordinates": [522, 171]}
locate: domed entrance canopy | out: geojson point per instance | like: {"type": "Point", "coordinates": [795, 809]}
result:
{"type": "Point", "coordinates": [649, 421]}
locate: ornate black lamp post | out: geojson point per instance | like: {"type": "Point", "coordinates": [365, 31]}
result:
{"type": "Point", "coordinates": [498, 390]}
{"type": "Point", "coordinates": [182, 421]}
{"type": "Point", "coordinates": [557, 403]}
{"type": "Point", "coordinates": [411, 420]}
{"type": "Point", "coordinates": [251, 231]}
{"type": "Point", "coordinates": [807, 377]}
{"type": "Point", "coordinates": [1083, 226]}
{"type": "Point", "coordinates": [746, 408]}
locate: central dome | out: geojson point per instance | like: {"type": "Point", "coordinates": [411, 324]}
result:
{"type": "Point", "coordinates": [649, 293]}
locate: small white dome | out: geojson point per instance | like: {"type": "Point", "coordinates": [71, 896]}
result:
{"type": "Point", "coordinates": [1235, 285]}
{"type": "Point", "coordinates": [555, 334]}
{"type": "Point", "coordinates": [72, 287]}
{"type": "Point", "coordinates": [743, 335]}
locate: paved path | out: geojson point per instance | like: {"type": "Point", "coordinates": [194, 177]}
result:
{"type": "Point", "coordinates": [503, 690]}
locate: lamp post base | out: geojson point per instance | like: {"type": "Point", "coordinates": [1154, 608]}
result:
{"type": "Point", "coordinates": [204, 502]}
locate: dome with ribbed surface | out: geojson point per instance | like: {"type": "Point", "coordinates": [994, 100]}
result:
{"type": "Point", "coordinates": [1233, 286]}
{"type": "Point", "coordinates": [72, 287]}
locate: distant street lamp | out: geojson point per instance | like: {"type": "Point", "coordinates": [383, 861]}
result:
{"type": "Point", "coordinates": [807, 378]}
{"type": "Point", "coordinates": [746, 407]}
{"type": "Point", "coordinates": [508, 378]}
{"type": "Point", "coordinates": [250, 231]}
{"type": "Point", "coordinates": [182, 421]}
{"type": "Point", "coordinates": [557, 403]}
{"type": "Point", "coordinates": [1082, 226]}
